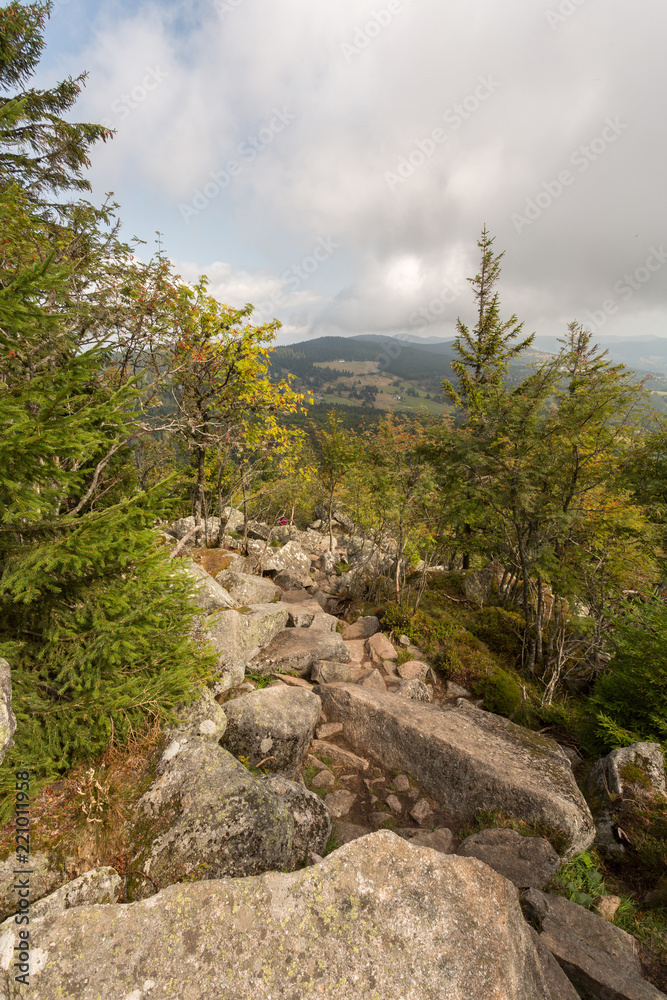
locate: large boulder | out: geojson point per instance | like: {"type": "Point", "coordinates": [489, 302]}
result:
{"type": "Point", "coordinates": [238, 636]}
{"type": "Point", "coordinates": [378, 918]}
{"type": "Point", "coordinates": [291, 557]}
{"type": "Point", "coordinates": [275, 725]}
{"type": "Point", "coordinates": [598, 957]}
{"type": "Point", "coordinates": [312, 822]}
{"type": "Point", "coordinates": [7, 719]}
{"type": "Point", "coordinates": [245, 589]}
{"type": "Point", "coordinates": [639, 768]}
{"type": "Point", "coordinates": [102, 886]}
{"type": "Point", "coordinates": [296, 650]}
{"type": "Point", "coordinates": [526, 861]}
{"type": "Point", "coordinates": [204, 717]}
{"type": "Point", "coordinates": [205, 816]}
{"type": "Point", "coordinates": [210, 595]}
{"type": "Point", "coordinates": [48, 869]}
{"type": "Point", "coordinates": [466, 759]}
{"type": "Point", "coordinates": [363, 628]}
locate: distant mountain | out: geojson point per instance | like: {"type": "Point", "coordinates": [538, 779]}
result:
{"type": "Point", "coordinates": [644, 354]}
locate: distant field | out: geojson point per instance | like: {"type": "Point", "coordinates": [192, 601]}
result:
{"type": "Point", "coordinates": [358, 367]}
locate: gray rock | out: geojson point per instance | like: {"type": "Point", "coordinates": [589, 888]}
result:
{"type": "Point", "coordinates": [324, 779]}
{"type": "Point", "coordinates": [526, 861]}
{"type": "Point", "coordinates": [363, 628]}
{"type": "Point", "coordinates": [274, 722]}
{"type": "Point", "coordinates": [608, 778]}
{"type": "Point", "coordinates": [415, 690]}
{"type": "Point", "coordinates": [304, 613]}
{"type": "Point", "coordinates": [205, 717]}
{"type": "Point", "coordinates": [329, 729]}
{"type": "Point", "coordinates": [338, 515]}
{"type": "Point", "coordinates": [103, 885]}
{"type": "Point", "coordinates": [236, 637]}
{"type": "Point", "coordinates": [312, 822]}
{"type": "Point", "coordinates": [421, 812]}
{"type": "Point", "coordinates": [456, 691]}
{"type": "Point", "coordinates": [245, 589]}
{"type": "Point", "coordinates": [438, 840]}
{"type": "Point", "coordinates": [49, 871]}
{"type": "Point", "coordinates": [7, 718]}
{"type": "Point", "coordinates": [290, 558]}
{"type": "Point", "coordinates": [339, 803]}
{"type": "Point", "coordinates": [394, 803]}
{"type": "Point", "coordinates": [298, 649]}
{"type": "Point", "coordinates": [378, 918]}
{"type": "Point", "coordinates": [210, 595]}
{"type": "Point", "coordinates": [205, 816]}
{"type": "Point", "coordinates": [466, 759]}
{"type": "Point", "coordinates": [327, 562]}
{"type": "Point", "coordinates": [347, 832]}
{"type": "Point", "coordinates": [596, 956]}
{"type": "Point", "coordinates": [401, 783]}
{"type": "Point", "coordinates": [261, 622]}
{"type": "Point", "coordinates": [413, 670]}
{"type": "Point", "coordinates": [560, 987]}
{"type": "Point", "coordinates": [380, 647]}
{"type": "Point", "coordinates": [324, 622]}
{"type": "Point", "coordinates": [374, 681]}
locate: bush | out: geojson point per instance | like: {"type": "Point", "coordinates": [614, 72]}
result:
{"type": "Point", "coordinates": [501, 630]}
{"type": "Point", "coordinates": [500, 690]}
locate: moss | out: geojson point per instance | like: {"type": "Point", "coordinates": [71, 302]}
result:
{"type": "Point", "coordinates": [500, 629]}
{"type": "Point", "coordinates": [633, 774]}
{"type": "Point", "coordinates": [500, 690]}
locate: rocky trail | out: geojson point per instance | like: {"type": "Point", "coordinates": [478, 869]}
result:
{"type": "Point", "coordinates": [312, 825]}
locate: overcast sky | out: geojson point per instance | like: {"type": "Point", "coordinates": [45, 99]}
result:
{"type": "Point", "coordinates": [333, 161]}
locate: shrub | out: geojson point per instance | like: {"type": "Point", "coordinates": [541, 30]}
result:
{"type": "Point", "coordinates": [500, 690]}
{"type": "Point", "coordinates": [501, 630]}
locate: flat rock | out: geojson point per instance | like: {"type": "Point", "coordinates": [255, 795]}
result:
{"type": "Point", "coordinates": [337, 753]}
{"type": "Point", "coordinates": [245, 589]}
{"type": "Point", "coordinates": [294, 681]}
{"type": "Point", "coordinates": [347, 832]}
{"type": "Point", "coordinates": [401, 783]}
{"type": "Point", "coordinates": [466, 759]}
{"type": "Point", "coordinates": [560, 987]}
{"type": "Point", "coordinates": [365, 923]}
{"type": "Point", "coordinates": [329, 729]}
{"type": "Point", "coordinates": [413, 670]}
{"type": "Point", "coordinates": [296, 650]}
{"type": "Point", "coordinates": [332, 671]}
{"type": "Point", "coordinates": [100, 886]}
{"type": "Point", "coordinates": [380, 647]}
{"type": "Point", "coordinates": [456, 691]}
{"type": "Point", "coordinates": [302, 614]}
{"type": "Point", "coordinates": [363, 628]}
{"type": "Point", "coordinates": [236, 637]}
{"type": "Point", "coordinates": [275, 723]}
{"type": "Point", "coordinates": [421, 812]}
{"type": "Point", "coordinates": [324, 779]}
{"type": "Point", "coordinates": [339, 803]}
{"type": "Point", "coordinates": [526, 861]}
{"type": "Point", "coordinates": [596, 956]}
{"type": "Point", "coordinates": [357, 650]}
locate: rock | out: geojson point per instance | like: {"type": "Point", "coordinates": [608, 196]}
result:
{"type": "Point", "coordinates": [339, 803]}
{"type": "Point", "coordinates": [298, 649]}
{"type": "Point", "coordinates": [467, 759]}
{"type": "Point", "coordinates": [380, 647]}
{"type": "Point", "coordinates": [260, 531]}
{"type": "Point", "coordinates": [305, 613]}
{"type": "Point", "coordinates": [330, 671]}
{"type": "Point", "coordinates": [478, 584]}
{"type": "Point", "coordinates": [329, 729]}
{"type": "Point", "coordinates": [48, 872]}
{"type": "Point", "coordinates": [374, 681]}
{"type": "Point", "coordinates": [363, 628]}
{"type": "Point", "coordinates": [560, 987]}
{"type": "Point", "coordinates": [606, 906]}
{"type": "Point", "coordinates": [366, 558]}
{"type": "Point", "coordinates": [378, 918]}
{"type": "Point", "coordinates": [439, 840]}
{"type": "Point", "coordinates": [640, 763]}
{"type": "Point", "coordinates": [314, 543]}
{"type": "Point", "coordinates": [324, 779]}
{"type": "Point", "coordinates": [245, 589]}
{"type": "Point", "coordinates": [276, 723]}
{"type": "Point", "coordinates": [261, 622]}
{"type": "Point", "coordinates": [337, 753]}
{"type": "Point", "coordinates": [337, 515]}
{"type": "Point", "coordinates": [421, 812]}
{"type": "Point", "coordinates": [210, 596]}
{"type": "Point", "coordinates": [312, 822]}
{"type": "Point", "coordinates": [288, 579]}
{"type": "Point", "coordinates": [297, 596]}
{"type": "Point", "coordinates": [289, 559]}
{"type": "Point", "coordinates": [394, 803]}
{"type": "Point", "coordinates": [401, 783]}
{"type": "Point", "coordinates": [347, 832]}
{"type": "Point", "coordinates": [327, 562]}
{"type": "Point", "coordinates": [390, 669]}
{"type": "Point", "coordinates": [413, 670]}
{"type": "Point", "coordinates": [205, 816]}
{"type": "Point", "coordinates": [526, 861]}
{"type": "Point", "coordinates": [236, 637]}
{"type": "Point", "coordinates": [404, 640]}
{"type": "Point", "coordinates": [596, 956]}
{"type": "Point", "coordinates": [203, 718]}
{"type": "Point", "coordinates": [323, 621]}
{"type": "Point", "coordinates": [378, 819]}
{"type": "Point", "coordinates": [102, 885]}
{"type": "Point", "coordinates": [208, 529]}
{"type": "Point", "coordinates": [456, 691]}
{"type": "Point", "coordinates": [7, 718]}
{"type": "Point", "coordinates": [294, 681]}
{"type": "Point", "coordinates": [415, 690]}
{"type": "Point", "coordinates": [357, 650]}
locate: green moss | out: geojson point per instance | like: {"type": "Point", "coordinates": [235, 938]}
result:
{"type": "Point", "coordinates": [500, 629]}
{"type": "Point", "coordinates": [500, 690]}
{"type": "Point", "coordinates": [634, 775]}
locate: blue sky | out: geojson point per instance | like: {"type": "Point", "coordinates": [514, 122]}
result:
{"type": "Point", "coordinates": [333, 161]}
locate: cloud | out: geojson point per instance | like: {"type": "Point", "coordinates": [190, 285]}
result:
{"type": "Point", "coordinates": [515, 100]}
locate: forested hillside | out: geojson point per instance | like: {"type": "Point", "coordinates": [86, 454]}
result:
{"type": "Point", "coordinates": [502, 510]}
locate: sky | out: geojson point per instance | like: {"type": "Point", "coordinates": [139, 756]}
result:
{"type": "Point", "coordinates": [334, 161]}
